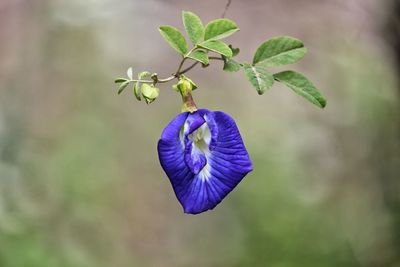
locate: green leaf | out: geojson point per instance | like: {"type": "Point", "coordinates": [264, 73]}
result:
{"type": "Point", "coordinates": [193, 26]}
{"type": "Point", "coordinates": [149, 92]}
{"type": "Point", "coordinates": [200, 56]}
{"type": "Point", "coordinates": [302, 86]}
{"type": "Point", "coordinates": [136, 91]}
{"type": "Point", "coordinates": [279, 51]}
{"type": "Point", "coordinates": [217, 47]}
{"type": "Point", "coordinates": [120, 80]}
{"type": "Point", "coordinates": [220, 28]}
{"type": "Point", "coordinates": [143, 75]}
{"type": "Point", "coordinates": [259, 77]}
{"type": "Point", "coordinates": [129, 73]}
{"type": "Point", "coordinates": [136, 86]}
{"type": "Point", "coordinates": [174, 38]}
{"type": "Point", "coordinates": [235, 51]}
{"type": "Point", "coordinates": [122, 86]}
{"type": "Point", "coordinates": [231, 65]}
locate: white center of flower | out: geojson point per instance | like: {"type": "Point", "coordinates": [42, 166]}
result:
{"type": "Point", "coordinates": [201, 138]}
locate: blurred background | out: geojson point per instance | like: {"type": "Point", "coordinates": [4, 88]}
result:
{"type": "Point", "coordinates": [80, 181]}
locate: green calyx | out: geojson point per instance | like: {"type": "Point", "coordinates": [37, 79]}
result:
{"type": "Point", "coordinates": [149, 92]}
{"type": "Point", "coordinates": [185, 86]}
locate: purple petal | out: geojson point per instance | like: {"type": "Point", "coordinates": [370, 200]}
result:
{"type": "Point", "coordinates": [206, 162]}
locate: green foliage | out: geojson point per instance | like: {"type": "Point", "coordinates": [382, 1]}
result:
{"type": "Point", "coordinates": [129, 73]}
{"type": "Point", "coordinates": [217, 47]}
{"type": "Point", "coordinates": [120, 80]}
{"type": "Point", "coordinates": [136, 86]}
{"type": "Point", "coordinates": [231, 65]}
{"type": "Point", "coordinates": [274, 52]}
{"type": "Point", "coordinates": [279, 51]}
{"type": "Point", "coordinates": [302, 86]}
{"type": "Point", "coordinates": [235, 51]}
{"type": "Point", "coordinates": [185, 86]}
{"type": "Point", "coordinates": [220, 28]}
{"type": "Point", "coordinates": [123, 86]}
{"type": "Point", "coordinates": [200, 56]}
{"type": "Point", "coordinates": [259, 77]}
{"type": "Point", "coordinates": [149, 92]}
{"type": "Point", "coordinates": [174, 38]}
{"type": "Point", "coordinates": [193, 26]}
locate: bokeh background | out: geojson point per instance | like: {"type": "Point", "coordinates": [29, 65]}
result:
{"type": "Point", "coordinates": [80, 182]}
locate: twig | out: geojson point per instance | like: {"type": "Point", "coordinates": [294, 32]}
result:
{"type": "Point", "coordinates": [226, 8]}
{"type": "Point", "coordinates": [189, 68]}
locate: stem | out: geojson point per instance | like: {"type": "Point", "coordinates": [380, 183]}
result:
{"type": "Point", "coordinates": [226, 8]}
{"type": "Point", "coordinates": [189, 68]}
{"type": "Point", "coordinates": [216, 58]}
{"type": "Point", "coordinates": [165, 80]}
{"type": "Point", "coordinates": [188, 103]}
{"type": "Point", "coordinates": [177, 74]}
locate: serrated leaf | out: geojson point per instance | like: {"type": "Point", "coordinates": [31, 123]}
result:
{"type": "Point", "coordinates": [136, 86]}
{"type": "Point", "coordinates": [120, 80]}
{"type": "Point", "coordinates": [220, 28]}
{"type": "Point", "coordinates": [231, 65]}
{"type": "Point", "coordinates": [193, 26]}
{"type": "Point", "coordinates": [200, 56]}
{"type": "Point", "coordinates": [235, 51]}
{"type": "Point", "coordinates": [217, 47]}
{"type": "Point", "coordinates": [122, 86]}
{"type": "Point", "coordinates": [259, 77]}
{"type": "Point", "coordinates": [174, 38]}
{"type": "Point", "coordinates": [301, 86]}
{"type": "Point", "coordinates": [279, 51]}
{"type": "Point", "coordinates": [129, 73]}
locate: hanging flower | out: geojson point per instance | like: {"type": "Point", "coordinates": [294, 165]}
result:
{"type": "Point", "coordinates": [204, 157]}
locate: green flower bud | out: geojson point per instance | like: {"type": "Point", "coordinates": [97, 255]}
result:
{"type": "Point", "coordinates": [149, 92]}
{"type": "Point", "coordinates": [185, 85]}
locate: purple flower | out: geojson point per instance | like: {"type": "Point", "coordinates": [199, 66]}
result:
{"type": "Point", "coordinates": [204, 157]}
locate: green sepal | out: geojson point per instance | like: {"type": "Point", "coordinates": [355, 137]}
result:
{"type": "Point", "coordinates": [149, 92]}
{"type": "Point", "coordinates": [235, 51]}
{"type": "Point", "coordinates": [185, 85]}
{"type": "Point", "coordinates": [136, 86]}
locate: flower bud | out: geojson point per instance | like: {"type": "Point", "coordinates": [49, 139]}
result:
{"type": "Point", "coordinates": [185, 85]}
{"type": "Point", "coordinates": [149, 92]}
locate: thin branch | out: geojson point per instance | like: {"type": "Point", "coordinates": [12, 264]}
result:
{"type": "Point", "coordinates": [216, 58]}
{"type": "Point", "coordinates": [177, 72]}
{"type": "Point", "coordinates": [189, 68]}
{"type": "Point", "coordinates": [226, 8]}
